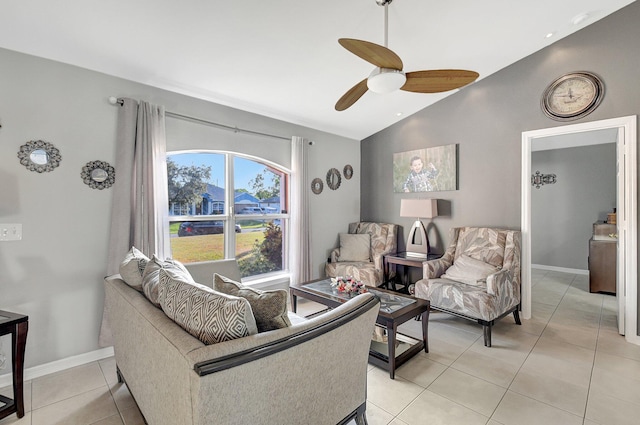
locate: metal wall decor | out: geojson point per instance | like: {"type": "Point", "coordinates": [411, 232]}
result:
{"type": "Point", "coordinates": [348, 172]}
{"type": "Point", "coordinates": [539, 179]}
{"type": "Point", "coordinates": [334, 179]}
{"type": "Point", "coordinates": [317, 186]}
{"type": "Point", "coordinates": [98, 175]}
{"type": "Point", "coordinates": [39, 156]}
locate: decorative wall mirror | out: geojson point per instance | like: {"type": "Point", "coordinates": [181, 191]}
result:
{"type": "Point", "coordinates": [317, 186]}
{"type": "Point", "coordinates": [98, 175]}
{"type": "Point", "coordinates": [39, 156]}
{"type": "Point", "coordinates": [348, 172]}
{"type": "Point", "coordinates": [334, 179]}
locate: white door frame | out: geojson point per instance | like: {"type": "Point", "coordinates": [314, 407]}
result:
{"type": "Point", "coordinates": [626, 215]}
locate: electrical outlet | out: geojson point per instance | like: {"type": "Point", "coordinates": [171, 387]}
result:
{"type": "Point", "coordinates": [10, 232]}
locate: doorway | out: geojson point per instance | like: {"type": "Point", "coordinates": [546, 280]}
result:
{"type": "Point", "coordinates": [627, 288]}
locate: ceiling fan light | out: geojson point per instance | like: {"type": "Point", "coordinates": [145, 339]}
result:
{"type": "Point", "coordinates": [385, 80]}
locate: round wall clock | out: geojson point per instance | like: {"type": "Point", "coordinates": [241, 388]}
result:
{"type": "Point", "coordinates": [317, 186]}
{"type": "Point", "coordinates": [334, 179]}
{"type": "Point", "coordinates": [572, 96]}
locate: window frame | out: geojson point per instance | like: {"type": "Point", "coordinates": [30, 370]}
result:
{"type": "Point", "coordinates": [230, 216]}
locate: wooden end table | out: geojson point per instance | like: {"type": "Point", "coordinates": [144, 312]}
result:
{"type": "Point", "coordinates": [405, 260]}
{"type": "Point", "coordinates": [395, 309]}
{"type": "Point", "coordinates": [16, 325]}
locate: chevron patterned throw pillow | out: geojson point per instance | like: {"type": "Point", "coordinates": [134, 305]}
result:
{"type": "Point", "coordinates": [208, 315]}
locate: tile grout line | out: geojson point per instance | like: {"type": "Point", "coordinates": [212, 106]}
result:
{"type": "Point", "coordinates": [593, 364]}
{"type": "Point", "coordinates": [527, 357]}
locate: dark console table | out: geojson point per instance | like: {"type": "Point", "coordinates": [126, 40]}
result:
{"type": "Point", "coordinates": [406, 260]}
{"type": "Point", "coordinates": [16, 325]}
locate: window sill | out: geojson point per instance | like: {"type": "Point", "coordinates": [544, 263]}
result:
{"type": "Point", "coordinates": [276, 280]}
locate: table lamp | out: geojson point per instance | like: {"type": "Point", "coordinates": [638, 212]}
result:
{"type": "Point", "coordinates": [417, 241]}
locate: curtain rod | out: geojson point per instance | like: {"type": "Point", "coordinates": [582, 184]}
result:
{"type": "Point", "coordinates": [120, 101]}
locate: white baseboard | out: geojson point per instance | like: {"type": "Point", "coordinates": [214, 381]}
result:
{"type": "Point", "coordinates": [58, 365]}
{"type": "Point", "coordinates": [560, 269]}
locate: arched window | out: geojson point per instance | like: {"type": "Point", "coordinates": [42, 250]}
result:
{"type": "Point", "coordinates": [224, 205]}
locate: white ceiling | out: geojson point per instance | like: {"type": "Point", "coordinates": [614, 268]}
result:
{"type": "Point", "coordinates": [281, 58]}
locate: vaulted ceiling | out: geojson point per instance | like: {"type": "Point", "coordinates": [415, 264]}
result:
{"type": "Point", "coordinates": [281, 58]}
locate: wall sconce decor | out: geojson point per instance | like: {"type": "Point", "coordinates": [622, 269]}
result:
{"type": "Point", "coordinates": [539, 179]}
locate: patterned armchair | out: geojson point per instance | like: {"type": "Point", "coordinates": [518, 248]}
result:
{"type": "Point", "coordinates": [367, 267]}
{"type": "Point", "coordinates": [477, 278]}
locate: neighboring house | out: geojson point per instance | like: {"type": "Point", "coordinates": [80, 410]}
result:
{"type": "Point", "coordinates": [245, 200]}
{"type": "Point", "coordinates": [271, 205]}
{"type": "Point", "coordinates": [213, 201]}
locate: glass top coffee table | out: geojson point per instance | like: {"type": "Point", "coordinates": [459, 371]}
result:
{"type": "Point", "coordinates": [395, 309]}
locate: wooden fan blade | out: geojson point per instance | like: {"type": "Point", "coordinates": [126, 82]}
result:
{"type": "Point", "coordinates": [352, 95]}
{"type": "Point", "coordinates": [438, 80]}
{"type": "Point", "coordinates": [373, 53]}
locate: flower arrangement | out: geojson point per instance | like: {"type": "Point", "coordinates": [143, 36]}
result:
{"type": "Point", "coordinates": [348, 285]}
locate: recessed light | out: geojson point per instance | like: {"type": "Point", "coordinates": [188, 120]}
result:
{"type": "Point", "coordinates": [398, 114]}
{"type": "Point", "coordinates": [549, 35]}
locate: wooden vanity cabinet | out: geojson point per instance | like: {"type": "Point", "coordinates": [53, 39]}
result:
{"type": "Point", "coordinates": [603, 258]}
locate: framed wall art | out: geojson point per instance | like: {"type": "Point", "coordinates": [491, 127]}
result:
{"type": "Point", "coordinates": [426, 170]}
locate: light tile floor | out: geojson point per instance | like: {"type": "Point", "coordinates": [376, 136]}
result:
{"type": "Point", "coordinates": [567, 365]}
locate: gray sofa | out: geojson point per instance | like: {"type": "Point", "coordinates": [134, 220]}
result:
{"type": "Point", "coordinates": [312, 372]}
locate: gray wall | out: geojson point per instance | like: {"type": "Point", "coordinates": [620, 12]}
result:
{"type": "Point", "coordinates": [55, 273]}
{"type": "Point", "coordinates": [487, 119]}
{"type": "Point", "coordinates": [562, 214]}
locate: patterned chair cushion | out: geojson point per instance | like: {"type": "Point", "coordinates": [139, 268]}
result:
{"type": "Point", "coordinates": [269, 307]}
{"type": "Point", "coordinates": [384, 240]}
{"type": "Point", "coordinates": [132, 268]}
{"type": "Point", "coordinates": [208, 315]}
{"type": "Point", "coordinates": [355, 248]}
{"type": "Point", "coordinates": [151, 276]}
{"type": "Point", "coordinates": [470, 271]}
{"type": "Point", "coordinates": [364, 272]}
{"type": "Point", "coordinates": [470, 300]}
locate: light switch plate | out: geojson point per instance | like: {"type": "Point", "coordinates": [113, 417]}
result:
{"type": "Point", "coordinates": [10, 232]}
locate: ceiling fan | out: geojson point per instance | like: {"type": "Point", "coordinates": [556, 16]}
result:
{"type": "Point", "coordinates": [388, 75]}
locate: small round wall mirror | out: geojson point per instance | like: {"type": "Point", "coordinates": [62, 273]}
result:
{"type": "Point", "coordinates": [317, 186]}
{"type": "Point", "coordinates": [98, 175]}
{"type": "Point", "coordinates": [39, 156]}
{"type": "Point", "coordinates": [348, 172]}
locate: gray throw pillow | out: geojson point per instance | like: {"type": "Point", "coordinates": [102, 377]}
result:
{"type": "Point", "coordinates": [355, 247]}
{"type": "Point", "coordinates": [132, 268]}
{"type": "Point", "coordinates": [151, 276]}
{"type": "Point", "coordinates": [269, 307]}
{"type": "Point", "coordinates": [210, 316]}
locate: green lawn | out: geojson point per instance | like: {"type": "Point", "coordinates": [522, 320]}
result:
{"type": "Point", "coordinates": [210, 247]}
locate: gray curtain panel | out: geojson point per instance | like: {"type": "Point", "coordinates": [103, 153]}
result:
{"type": "Point", "coordinates": [139, 215]}
{"type": "Point", "coordinates": [300, 245]}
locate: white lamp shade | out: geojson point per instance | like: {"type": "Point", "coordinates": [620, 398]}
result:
{"type": "Point", "coordinates": [419, 208]}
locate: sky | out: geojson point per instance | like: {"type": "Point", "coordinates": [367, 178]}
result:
{"type": "Point", "coordinates": [244, 169]}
